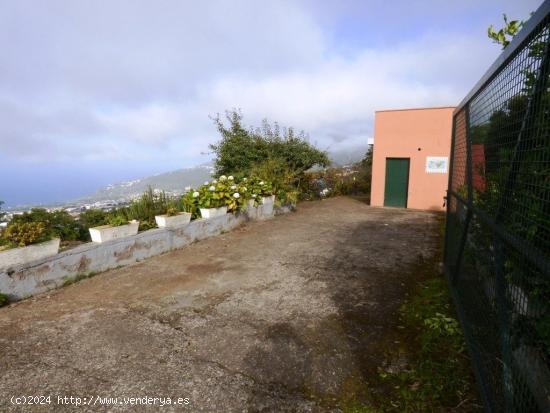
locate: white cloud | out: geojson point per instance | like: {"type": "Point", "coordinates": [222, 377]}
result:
{"type": "Point", "coordinates": [138, 80]}
{"type": "Point", "coordinates": [152, 124]}
{"type": "Point", "coordinates": [338, 97]}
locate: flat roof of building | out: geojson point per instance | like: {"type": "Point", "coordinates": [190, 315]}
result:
{"type": "Point", "coordinates": [430, 108]}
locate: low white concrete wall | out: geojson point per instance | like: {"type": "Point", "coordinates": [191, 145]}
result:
{"type": "Point", "coordinates": [41, 275]}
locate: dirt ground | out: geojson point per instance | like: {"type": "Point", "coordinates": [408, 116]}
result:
{"type": "Point", "coordinates": [291, 314]}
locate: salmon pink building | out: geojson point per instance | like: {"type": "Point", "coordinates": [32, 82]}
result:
{"type": "Point", "coordinates": [411, 157]}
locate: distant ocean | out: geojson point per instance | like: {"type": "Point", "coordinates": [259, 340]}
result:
{"type": "Point", "coordinates": [35, 184]}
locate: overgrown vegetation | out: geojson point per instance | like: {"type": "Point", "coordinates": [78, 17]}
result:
{"type": "Point", "coordinates": [78, 277]}
{"type": "Point", "coordinates": [117, 219]}
{"type": "Point", "coordinates": [429, 369]}
{"type": "Point", "coordinates": [57, 224]}
{"type": "Point", "coordinates": [285, 159]}
{"type": "Point", "coordinates": [93, 218]}
{"type": "Point", "coordinates": [281, 179]}
{"type": "Point", "coordinates": [515, 189]}
{"type": "Point", "coordinates": [172, 211]}
{"type": "Point", "coordinates": [144, 209]}
{"type": "Point", "coordinates": [274, 154]}
{"type": "Point", "coordinates": [352, 180]}
{"type": "Point", "coordinates": [438, 375]}
{"type": "Point", "coordinates": [21, 234]}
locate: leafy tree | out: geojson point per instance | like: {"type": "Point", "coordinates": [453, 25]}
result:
{"type": "Point", "coordinates": [241, 149]}
{"type": "Point", "coordinates": [1, 213]}
{"type": "Point", "coordinates": [364, 173]}
{"type": "Point", "coordinates": [367, 159]}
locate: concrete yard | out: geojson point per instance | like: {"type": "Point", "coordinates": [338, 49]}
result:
{"type": "Point", "coordinates": [291, 314]}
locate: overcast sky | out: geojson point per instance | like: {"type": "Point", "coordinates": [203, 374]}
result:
{"type": "Point", "coordinates": [92, 92]}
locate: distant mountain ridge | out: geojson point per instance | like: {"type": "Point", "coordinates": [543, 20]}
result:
{"type": "Point", "coordinates": [348, 156]}
{"type": "Point", "coordinates": [174, 181]}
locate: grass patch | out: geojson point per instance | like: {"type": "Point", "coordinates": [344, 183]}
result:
{"type": "Point", "coordinates": [429, 370]}
{"type": "Point", "coordinates": [437, 376]}
{"type": "Point", "coordinates": [356, 407]}
{"type": "Point", "coordinates": [4, 300]}
{"type": "Point", "coordinates": [77, 277]}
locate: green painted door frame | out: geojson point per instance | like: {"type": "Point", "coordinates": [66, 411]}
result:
{"type": "Point", "coordinates": [397, 182]}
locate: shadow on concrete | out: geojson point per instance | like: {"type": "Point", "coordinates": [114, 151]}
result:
{"type": "Point", "coordinates": [367, 276]}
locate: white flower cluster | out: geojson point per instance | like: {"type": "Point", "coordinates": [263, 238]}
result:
{"type": "Point", "coordinates": [230, 191]}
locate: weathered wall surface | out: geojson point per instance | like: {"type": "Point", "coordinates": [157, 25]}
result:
{"type": "Point", "coordinates": [45, 274]}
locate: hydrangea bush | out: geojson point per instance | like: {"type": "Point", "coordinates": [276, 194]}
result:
{"type": "Point", "coordinates": [226, 191]}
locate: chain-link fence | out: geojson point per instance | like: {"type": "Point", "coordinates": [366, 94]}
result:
{"type": "Point", "coordinates": [497, 241]}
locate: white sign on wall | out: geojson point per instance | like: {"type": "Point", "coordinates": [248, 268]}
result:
{"type": "Point", "coordinates": [436, 164]}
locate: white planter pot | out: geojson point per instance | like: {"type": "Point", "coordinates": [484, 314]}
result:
{"type": "Point", "coordinates": [250, 203]}
{"type": "Point", "coordinates": [16, 256]}
{"type": "Point", "coordinates": [213, 212]}
{"type": "Point", "coordinates": [165, 221]}
{"type": "Point", "coordinates": [106, 233]}
{"type": "Point", "coordinates": [266, 200]}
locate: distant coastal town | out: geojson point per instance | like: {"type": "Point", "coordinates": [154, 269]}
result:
{"type": "Point", "coordinates": [75, 208]}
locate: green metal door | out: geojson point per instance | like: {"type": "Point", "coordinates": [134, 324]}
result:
{"type": "Point", "coordinates": [397, 182]}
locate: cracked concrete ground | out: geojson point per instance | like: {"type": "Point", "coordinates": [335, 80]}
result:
{"type": "Point", "coordinates": [291, 314]}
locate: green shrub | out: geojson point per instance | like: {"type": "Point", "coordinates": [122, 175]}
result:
{"type": "Point", "coordinates": [116, 220]}
{"type": "Point", "coordinates": [224, 191]}
{"type": "Point", "coordinates": [272, 154]}
{"type": "Point", "coordinates": [172, 211]}
{"type": "Point", "coordinates": [352, 180]}
{"type": "Point", "coordinates": [58, 224]}
{"type": "Point", "coordinates": [145, 208]}
{"type": "Point", "coordinates": [278, 179]}
{"type": "Point", "coordinates": [21, 234]}
{"type": "Point", "coordinates": [189, 202]}
{"type": "Point", "coordinates": [93, 218]}
{"type": "Point", "coordinates": [438, 372]}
